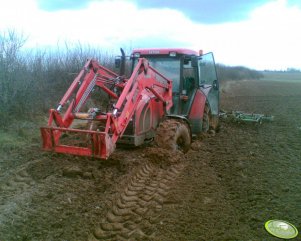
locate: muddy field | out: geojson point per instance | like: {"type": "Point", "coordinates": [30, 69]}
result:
{"type": "Point", "coordinates": [225, 188]}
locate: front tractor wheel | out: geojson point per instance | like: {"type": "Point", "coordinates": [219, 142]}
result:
{"type": "Point", "coordinates": [173, 134]}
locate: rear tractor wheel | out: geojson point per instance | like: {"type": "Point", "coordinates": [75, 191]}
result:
{"type": "Point", "coordinates": [173, 134]}
{"type": "Point", "coordinates": [210, 122]}
{"type": "Point", "coordinates": [206, 120]}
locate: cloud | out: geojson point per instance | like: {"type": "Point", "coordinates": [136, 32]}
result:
{"type": "Point", "coordinates": [294, 3]}
{"type": "Point", "coordinates": [267, 39]}
{"type": "Point", "coordinates": [55, 5]}
{"type": "Point", "coordinates": [108, 24]}
{"type": "Point", "coordinates": [210, 12]}
{"type": "Point", "coordinates": [203, 11]}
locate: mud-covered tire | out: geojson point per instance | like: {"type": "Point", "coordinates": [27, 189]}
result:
{"type": "Point", "coordinates": [206, 120]}
{"type": "Point", "coordinates": [173, 134]}
{"type": "Point", "coordinates": [214, 123]}
{"type": "Point", "coordinates": [210, 122]}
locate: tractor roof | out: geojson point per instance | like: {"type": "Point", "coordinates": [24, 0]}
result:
{"type": "Point", "coordinates": [164, 51]}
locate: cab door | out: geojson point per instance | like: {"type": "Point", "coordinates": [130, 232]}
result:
{"type": "Point", "coordinates": [208, 81]}
{"type": "Point", "coordinates": [188, 86]}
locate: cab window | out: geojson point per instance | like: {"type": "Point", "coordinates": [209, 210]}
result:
{"type": "Point", "coordinates": [207, 69]}
{"type": "Point", "coordinates": [167, 66]}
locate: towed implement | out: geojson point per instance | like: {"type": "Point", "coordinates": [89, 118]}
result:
{"type": "Point", "coordinates": [170, 95]}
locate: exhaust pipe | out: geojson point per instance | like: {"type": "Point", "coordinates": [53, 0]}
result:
{"type": "Point", "coordinates": [122, 64]}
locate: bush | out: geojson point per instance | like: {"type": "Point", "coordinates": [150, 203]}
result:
{"type": "Point", "coordinates": [32, 81]}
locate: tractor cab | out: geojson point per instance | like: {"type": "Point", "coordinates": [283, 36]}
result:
{"type": "Point", "coordinates": [189, 71]}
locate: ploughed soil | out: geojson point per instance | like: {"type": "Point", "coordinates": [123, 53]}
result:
{"type": "Point", "coordinates": [225, 188]}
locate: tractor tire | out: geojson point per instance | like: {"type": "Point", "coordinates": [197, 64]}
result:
{"type": "Point", "coordinates": [210, 122]}
{"type": "Point", "coordinates": [206, 120]}
{"type": "Point", "coordinates": [214, 123]}
{"type": "Point", "coordinates": [173, 134]}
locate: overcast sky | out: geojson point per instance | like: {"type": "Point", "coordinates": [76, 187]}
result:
{"type": "Point", "coordinates": [261, 34]}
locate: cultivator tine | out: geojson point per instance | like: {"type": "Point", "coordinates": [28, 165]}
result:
{"type": "Point", "coordinates": [251, 117]}
{"type": "Point", "coordinates": [247, 117]}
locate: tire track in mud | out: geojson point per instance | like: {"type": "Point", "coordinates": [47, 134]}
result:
{"type": "Point", "coordinates": [15, 193]}
{"type": "Point", "coordinates": [15, 183]}
{"type": "Point", "coordinates": [137, 208]}
{"type": "Point", "coordinates": [18, 183]}
{"type": "Point", "coordinates": [14, 178]}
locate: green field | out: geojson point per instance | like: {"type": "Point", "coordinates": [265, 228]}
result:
{"type": "Point", "coordinates": [282, 76]}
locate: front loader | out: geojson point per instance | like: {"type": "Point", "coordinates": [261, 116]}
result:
{"type": "Point", "coordinates": [171, 95]}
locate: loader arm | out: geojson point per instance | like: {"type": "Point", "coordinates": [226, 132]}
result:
{"type": "Point", "coordinates": [144, 83]}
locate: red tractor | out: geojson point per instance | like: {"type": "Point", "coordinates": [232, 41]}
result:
{"type": "Point", "coordinates": [170, 96]}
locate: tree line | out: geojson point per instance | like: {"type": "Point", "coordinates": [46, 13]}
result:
{"type": "Point", "coordinates": [226, 73]}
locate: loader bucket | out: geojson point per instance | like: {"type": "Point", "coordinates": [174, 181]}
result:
{"type": "Point", "coordinates": [80, 142]}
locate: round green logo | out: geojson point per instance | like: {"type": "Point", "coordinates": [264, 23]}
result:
{"type": "Point", "coordinates": [281, 229]}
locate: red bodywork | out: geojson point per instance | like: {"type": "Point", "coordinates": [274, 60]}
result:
{"type": "Point", "coordinates": [145, 85]}
{"type": "Point", "coordinates": [162, 51]}
{"type": "Point", "coordinates": [198, 105]}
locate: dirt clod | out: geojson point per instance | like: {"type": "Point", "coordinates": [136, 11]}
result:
{"type": "Point", "coordinates": [73, 171]}
{"type": "Point", "coordinates": [162, 156]}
